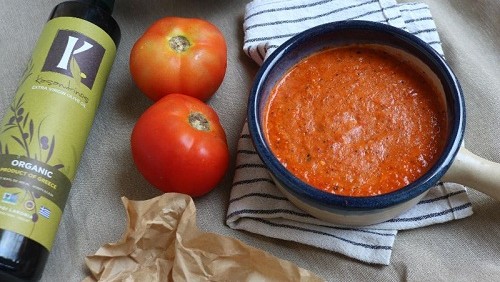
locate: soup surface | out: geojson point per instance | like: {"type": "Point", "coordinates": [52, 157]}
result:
{"type": "Point", "coordinates": [355, 121]}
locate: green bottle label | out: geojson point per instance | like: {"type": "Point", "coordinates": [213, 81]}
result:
{"type": "Point", "coordinates": [44, 131]}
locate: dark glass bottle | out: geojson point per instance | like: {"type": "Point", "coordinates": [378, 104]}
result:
{"type": "Point", "coordinates": [21, 258]}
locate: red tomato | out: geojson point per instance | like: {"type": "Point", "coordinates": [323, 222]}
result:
{"type": "Point", "coordinates": [179, 55]}
{"type": "Point", "coordinates": [179, 145]}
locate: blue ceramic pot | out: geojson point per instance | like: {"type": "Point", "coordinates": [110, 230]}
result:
{"type": "Point", "coordinates": [347, 210]}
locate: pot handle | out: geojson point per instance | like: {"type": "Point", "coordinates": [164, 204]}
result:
{"type": "Point", "coordinates": [475, 172]}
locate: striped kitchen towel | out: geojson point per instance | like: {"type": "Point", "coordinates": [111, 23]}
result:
{"type": "Point", "coordinates": [257, 206]}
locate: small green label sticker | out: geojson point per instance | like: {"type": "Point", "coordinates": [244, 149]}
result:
{"type": "Point", "coordinates": [44, 131]}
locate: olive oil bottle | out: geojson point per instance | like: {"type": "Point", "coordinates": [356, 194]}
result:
{"type": "Point", "coordinates": [45, 128]}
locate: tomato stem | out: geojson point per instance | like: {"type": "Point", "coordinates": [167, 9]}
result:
{"type": "Point", "coordinates": [179, 43]}
{"type": "Point", "coordinates": [199, 121]}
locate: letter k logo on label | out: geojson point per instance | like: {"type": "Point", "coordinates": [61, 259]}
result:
{"type": "Point", "coordinates": [75, 55]}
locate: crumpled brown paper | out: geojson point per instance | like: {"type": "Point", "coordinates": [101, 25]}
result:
{"type": "Point", "coordinates": [163, 243]}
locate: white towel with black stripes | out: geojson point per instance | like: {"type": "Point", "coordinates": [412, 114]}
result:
{"type": "Point", "coordinates": [257, 206]}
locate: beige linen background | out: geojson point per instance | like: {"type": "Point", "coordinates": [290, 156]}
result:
{"type": "Point", "coordinates": [464, 250]}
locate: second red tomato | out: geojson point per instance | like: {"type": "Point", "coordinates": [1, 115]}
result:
{"type": "Point", "coordinates": [179, 145]}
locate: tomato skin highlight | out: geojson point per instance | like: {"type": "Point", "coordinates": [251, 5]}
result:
{"type": "Point", "coordinates": [158, 68]}
{"type": "Point", "coordinates": [172, 154]}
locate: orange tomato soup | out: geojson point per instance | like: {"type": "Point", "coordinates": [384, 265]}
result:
{"type": "Point", "coordinates": [355, 121]}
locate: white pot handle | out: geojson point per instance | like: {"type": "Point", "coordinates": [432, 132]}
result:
{"type": "Point", "coordinates": [475, 172]}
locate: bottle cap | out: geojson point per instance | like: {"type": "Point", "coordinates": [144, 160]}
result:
{"type": "Point", "coordinates": [107, 5]}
